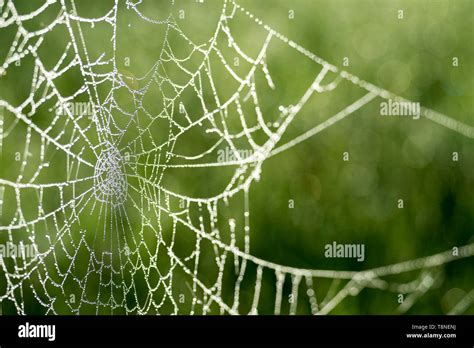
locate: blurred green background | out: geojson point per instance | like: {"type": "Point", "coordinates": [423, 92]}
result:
{"type": "Point", "coordinates": [348, 202]}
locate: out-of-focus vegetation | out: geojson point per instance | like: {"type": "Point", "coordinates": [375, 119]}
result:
{"type": "Point", "coordinates": [351, 201]}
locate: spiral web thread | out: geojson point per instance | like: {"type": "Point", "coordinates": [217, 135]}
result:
{"type": "Point", "coordinates": [114, 180]}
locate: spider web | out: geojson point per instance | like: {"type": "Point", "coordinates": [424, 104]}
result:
{"type": "Point", "coordinates": [145, 251]}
